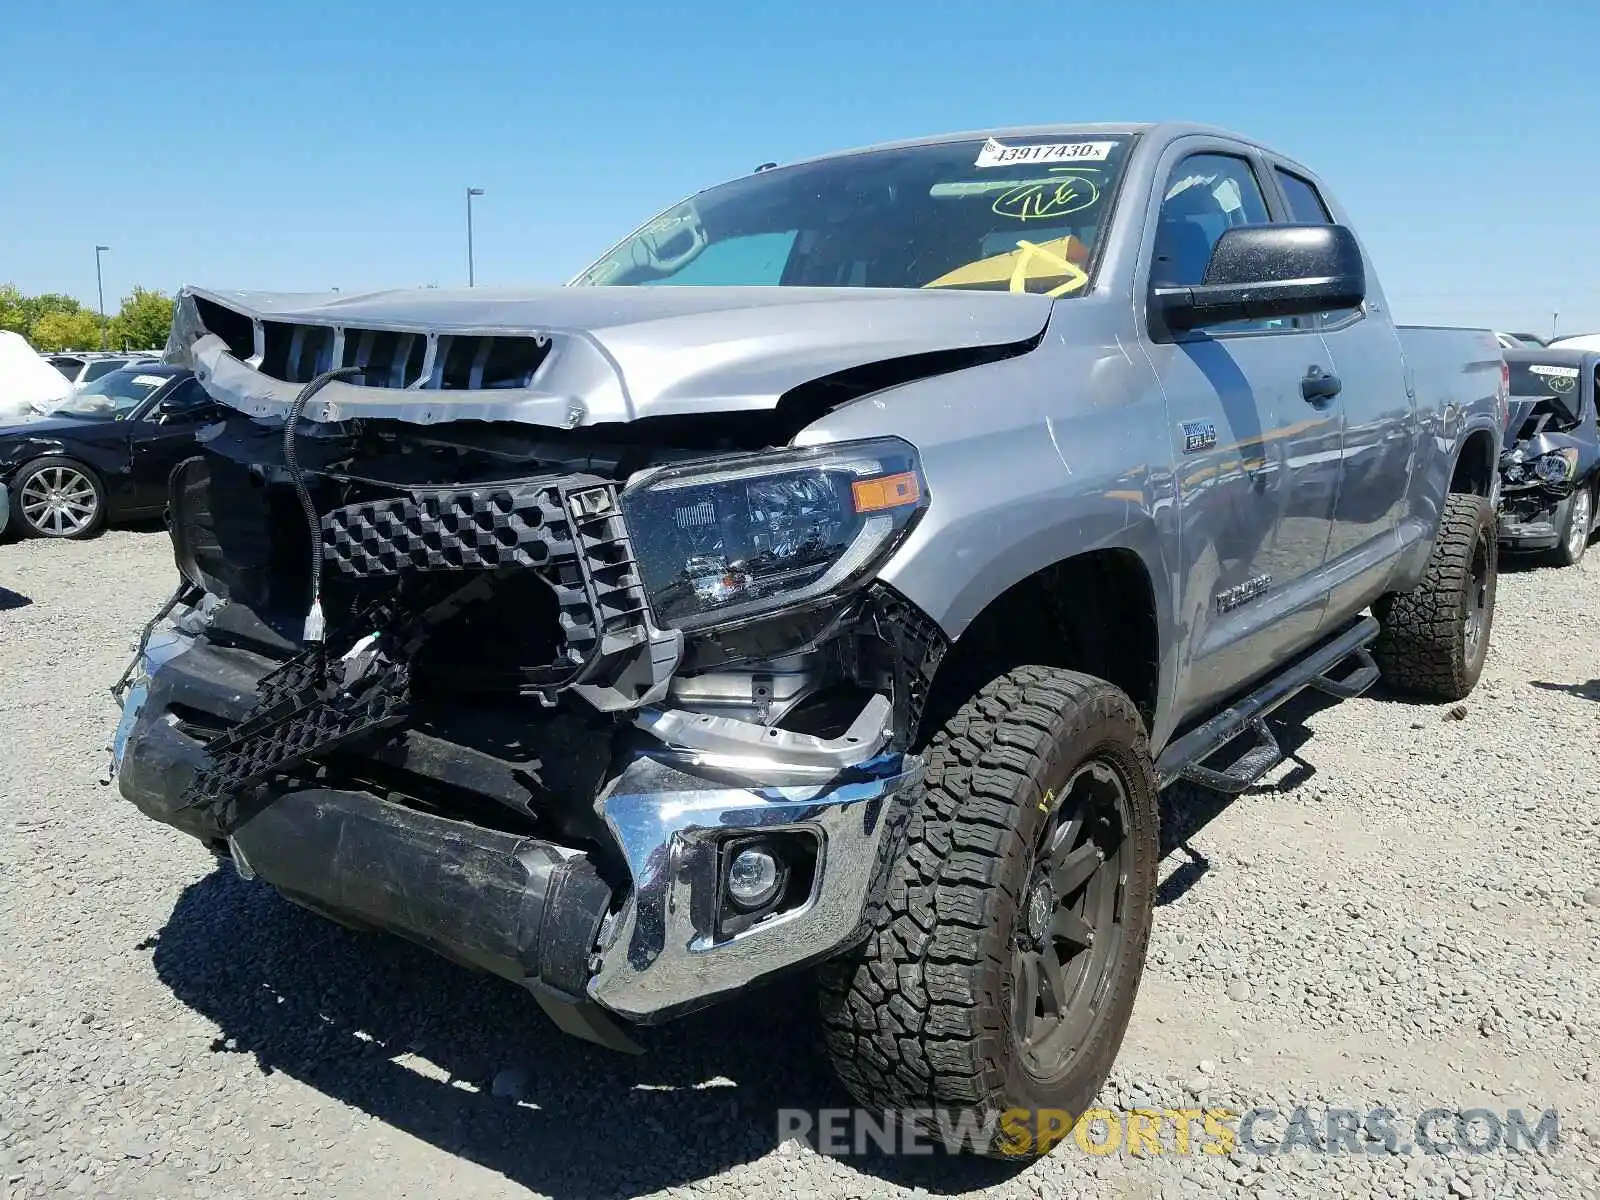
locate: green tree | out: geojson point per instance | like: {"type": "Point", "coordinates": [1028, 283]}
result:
{"type": "Point", "coordinates": [143, 322]}
{"type": "Point", "coordinates": [14, 315]}
{"type": "Point", "coordinates": [57, 330]}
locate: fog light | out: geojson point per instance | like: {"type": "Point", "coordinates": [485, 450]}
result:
{"type": "Point", "coordinates": [754, 877]}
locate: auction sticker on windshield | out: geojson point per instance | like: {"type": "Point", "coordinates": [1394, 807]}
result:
{"type": "Point", "coordinates": [998, 154]}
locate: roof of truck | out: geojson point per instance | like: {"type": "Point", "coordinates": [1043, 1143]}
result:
{"type": "Point", "coordinates": [1165, 128]}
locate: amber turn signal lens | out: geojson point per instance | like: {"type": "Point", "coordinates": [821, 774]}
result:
{"type": "Point", "coordinates": [891, 491]}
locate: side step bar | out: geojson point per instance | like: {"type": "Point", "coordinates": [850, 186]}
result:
{"type": "Point", "coordinates": [1183, 758]}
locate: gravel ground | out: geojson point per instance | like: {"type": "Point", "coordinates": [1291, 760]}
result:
{"type": "Point", "coordinates": [1407, 916]}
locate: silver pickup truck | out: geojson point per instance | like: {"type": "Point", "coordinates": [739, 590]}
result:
{"type": "Point", "coordinates": [844, 612]}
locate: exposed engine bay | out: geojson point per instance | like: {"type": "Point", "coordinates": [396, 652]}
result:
{"type": "Point", "coordinates": [494, 642]}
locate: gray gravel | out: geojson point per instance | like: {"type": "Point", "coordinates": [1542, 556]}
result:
{"type": "Point", "coordinates": [1406, 916]}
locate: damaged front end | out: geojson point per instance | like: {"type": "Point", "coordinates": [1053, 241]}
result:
{"type": "Point", "coordinates": [1539, 469]}
{"type": "Point", "coordinates": [618, 713]}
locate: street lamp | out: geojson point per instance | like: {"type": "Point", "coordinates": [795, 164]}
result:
{"type": "Point", "coordinates": [471, 192]}
{"type": "Point", "coordinates": [99, 287]}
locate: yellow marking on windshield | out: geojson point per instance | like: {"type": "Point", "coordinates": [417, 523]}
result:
{"type": "Point", "coordinates": [1058, 197]}
{"type": "Point", "coordinates": [1076, 275]}
{"type": "Point", "coordinates": [1014, 269]}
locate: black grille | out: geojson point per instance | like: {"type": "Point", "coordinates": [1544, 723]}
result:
{"type": "Point", "coordinates": [450, 531]}
{"type": "Point", "coordinates": [570, 530]}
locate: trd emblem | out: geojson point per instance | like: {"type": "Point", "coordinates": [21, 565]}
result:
{"type": "Point", "coordinates": [1199, 435]}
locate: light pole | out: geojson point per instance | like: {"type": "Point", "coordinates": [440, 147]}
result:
{"type": "Point", "coordinates": [471, 192]}
{"type": "Point", "coordinates": [100, 289]}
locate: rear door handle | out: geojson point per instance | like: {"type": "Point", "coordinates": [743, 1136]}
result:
{"type": "Point", "coordinates": [1319, 386]}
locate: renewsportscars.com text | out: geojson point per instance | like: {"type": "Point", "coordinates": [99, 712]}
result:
{"type": "Point", "coordinates": [1176, 1131]}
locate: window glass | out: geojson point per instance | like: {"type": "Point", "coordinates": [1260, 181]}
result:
{"type": "Point", "coordinates": [103, 367]}
{"type": "Point", "coordinates": [114, 395]}
{"type": "Point", "coordinates": [989, 215]}
{"type": "Point", "coordinates": [1206, 195]}
{"type": "Point", "coordinates": [1306, 207]}
{"type": "Point", "coordinates": [755, 261]}
{"type": "Point", "coordinates": [1305, 204]}
{"type": "Point", "coordinates": [69, 367]}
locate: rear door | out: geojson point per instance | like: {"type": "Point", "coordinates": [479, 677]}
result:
{"type": "Point", "coordinates": [1257, 465]}
{"type": "Point", "coordinates": [1377, 412]}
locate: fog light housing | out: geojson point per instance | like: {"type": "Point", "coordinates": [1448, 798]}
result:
{"type": "Point", "coordinates": [755, 876]}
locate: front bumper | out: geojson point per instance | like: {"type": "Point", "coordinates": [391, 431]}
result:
{"type": "Point", "coordinates": [1527, 519]}
{"type": "Point", "coordinates": [528, 909]}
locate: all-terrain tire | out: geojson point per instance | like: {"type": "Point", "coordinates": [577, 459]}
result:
{"type": "Point", "coordinates": [1435, 638]}
{"type": "Point", "coordinates": [923, 1016]}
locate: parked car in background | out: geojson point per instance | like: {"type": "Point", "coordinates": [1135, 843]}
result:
{"type": "Point", "coordinates": [1550, 467]}
{"type": "Point", "coordinates": [640, 643]}
{"type": "Point", "coordinates": [1576, 341]}
{"type": "Point", "coordinates": [83, 367]}
{"type": "Point", "coordinates": [102, 454]}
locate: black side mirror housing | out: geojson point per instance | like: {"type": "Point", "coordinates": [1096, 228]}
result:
{"type": "Point", "coordinates": [1259, 272]}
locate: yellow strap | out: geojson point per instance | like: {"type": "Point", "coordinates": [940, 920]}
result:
{"type": "Point", "coordinates": [1076, 276]}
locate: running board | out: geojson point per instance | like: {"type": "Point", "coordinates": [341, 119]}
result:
{"type": "Point", "coordinates": [1183, 758]}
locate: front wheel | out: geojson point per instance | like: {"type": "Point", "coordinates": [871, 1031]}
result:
{"type": "Point", "coordinates": [58, 498]}
{"type": "Point", "coordinates": [1577, 528]}
{"type": "Point", "coordinates": [1004, 971]}
{"type": "Point", "coordinates": [1434, 639]}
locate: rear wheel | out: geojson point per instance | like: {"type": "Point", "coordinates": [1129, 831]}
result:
{"type": "Point", "coordinates": [58, 498]}
{"type": "Point", "coordinates": [1004, 972]}
{"type": "Point", "coordinates": [1579, 524]}
{"type": "Point", "coordinates": [1435, 638]}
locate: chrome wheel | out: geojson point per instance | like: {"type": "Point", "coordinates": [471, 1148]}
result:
{"type": "Point", "coordinates": [58, 501]}
{"type": "Point", "coordinates": [1578, 523]}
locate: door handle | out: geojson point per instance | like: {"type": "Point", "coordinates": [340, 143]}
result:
{"type": "Point", "coordinates": [1319, 386]}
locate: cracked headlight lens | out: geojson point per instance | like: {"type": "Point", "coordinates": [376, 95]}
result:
{"type": "Point", "coordinates": [1558, 466]}
{"type": "Point", "coordinates": [723, 541]}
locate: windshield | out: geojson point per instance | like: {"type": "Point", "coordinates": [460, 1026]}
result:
{"type": "Point", "coordinates": [1543, 379]}
{"type": "Point", "coordinates": [114, 395]}
{"type": "Point", "coordinates": [1021, 216]}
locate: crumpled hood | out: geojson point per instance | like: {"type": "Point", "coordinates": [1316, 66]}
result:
{"type": "Point", "coordinates": [572, 356]}
{"type": "Point", "coordinates": [1519, 410]}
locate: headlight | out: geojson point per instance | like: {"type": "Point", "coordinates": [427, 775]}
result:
{"type": "Point", "coordinates": [1559, 466]}
{"type": "Point", "coordinates": [720, 542]}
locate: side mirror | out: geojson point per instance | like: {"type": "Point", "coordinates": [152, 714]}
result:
{"type": "Point", "coordinates": [1258, 272]}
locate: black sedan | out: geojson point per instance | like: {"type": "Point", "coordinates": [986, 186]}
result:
{"type": "Point", "coordinates": [104, 454]}
{"type": "Point", "coordinates": [1550, 468]}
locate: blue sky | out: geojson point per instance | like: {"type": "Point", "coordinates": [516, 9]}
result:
{"type": "Point", "coordinates": [302, 145]}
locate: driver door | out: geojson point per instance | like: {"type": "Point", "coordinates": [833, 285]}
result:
{"type": "Point", "coordinates": [162, 437]}
{"type": "Point", "coordinates": [1257, 463]}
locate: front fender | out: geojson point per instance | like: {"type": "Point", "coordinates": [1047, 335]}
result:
{"type": "Point", "coordinates": [1025, 471]}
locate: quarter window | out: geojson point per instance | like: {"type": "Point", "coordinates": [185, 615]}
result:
{"type": "Point", "coordinates": [1305, 204]}
{"type": "Point", "coordinates": [1307, 207]}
